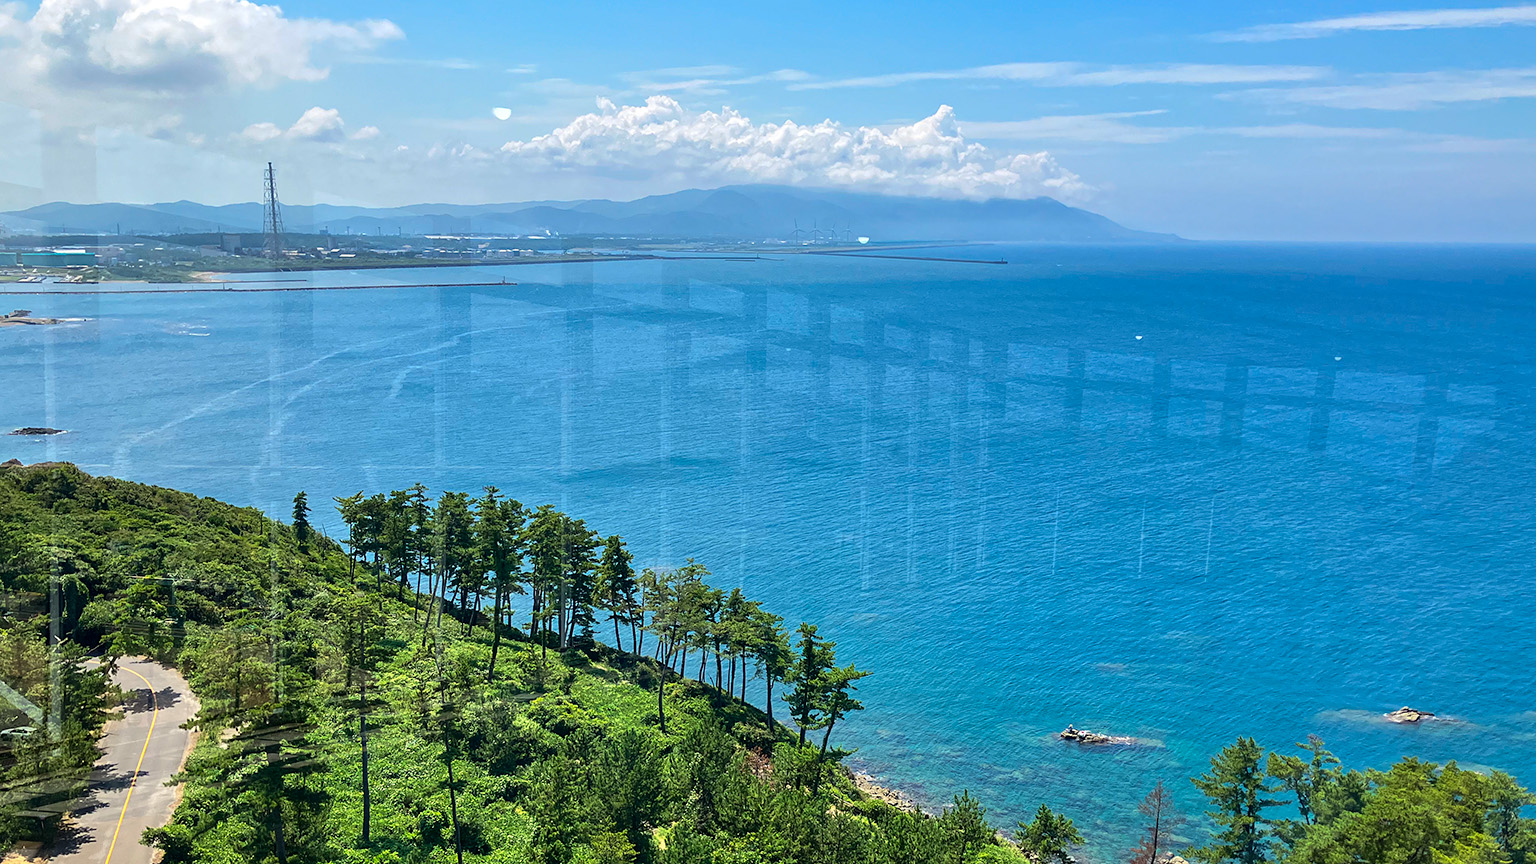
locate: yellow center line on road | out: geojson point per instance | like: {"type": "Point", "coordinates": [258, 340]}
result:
{"type": "Point", "coordinates": [134, 782]}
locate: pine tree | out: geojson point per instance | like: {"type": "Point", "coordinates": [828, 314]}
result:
{"type": "Point", "coordinates": [652, 587]}
{"type": "Point", "coordinates": [736, 636]}
{"type": "Point", "coordinates": [499, 533]}
{"type": "Point", "coordinates": [659, 600]}
{"type": "Point", "coordinates": [837, 700]}
{"type": "Point", "coordinates": [556, 807]}
{"type": "Point", "coordinates": [420, 544]}
{"type": "Point", "coordinates": [542, 540]}
{"type": "Point", "coordinates": [965, 827]}
{"type": "Point", "coordinates": [372, 513]}
{"type": "Point", "coordinates": [575, 569]}
{"type": "Point", "coordinates": [1049, 837]}
{"type": "Point", "coordinates": [1306, 779]}
{"type": "Point", "coordinates": [1506, 826]}
{"type": "Point", "coordinates": [1163, 819]}
{"type": "Point", "coordinates": [806, 699]}
{"type": "Point", "coordinates": [452, 693]}
{"type": "Point", "coordinates": [774, 655]}
{"type": "Point", "coordinates": [349, 509]}
{"type": "Point", "coordinates": [628, 768]}
{"type": "Point", "coordinates": [1237, 788]}
{"type": "Point", "coordinates": [616, 587]}
{"type": "Point", "coordinates": [690, 596]}
{"type": "Point", "coordinates": [396, 541]}
{"type": "Point", "coordinates": [301, 527]}
{"type": "Point", "coordinates": [231, 662]}
{"type": "Point", "coordinates": [361, 629]}
{"type": "Point", "coordinates": [454, 553]}
{"type": "Point", "coordinates": [706, 629]}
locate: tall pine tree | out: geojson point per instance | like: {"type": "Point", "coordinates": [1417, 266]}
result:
{"type": "Point", "coordinates": [1239, 792]}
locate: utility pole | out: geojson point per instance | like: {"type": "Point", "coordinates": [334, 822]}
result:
{"type": "Point", "coordinates": [273, 228]}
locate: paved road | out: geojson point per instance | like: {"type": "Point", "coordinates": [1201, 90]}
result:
{"type": "Point", "coordinates": [128, 791]}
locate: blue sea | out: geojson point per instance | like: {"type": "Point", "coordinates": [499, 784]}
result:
{"type": "Point", "coordinates": [1181, 493]}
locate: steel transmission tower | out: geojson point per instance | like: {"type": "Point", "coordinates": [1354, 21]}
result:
{"type": "Point", "coordinates": [273, 229]}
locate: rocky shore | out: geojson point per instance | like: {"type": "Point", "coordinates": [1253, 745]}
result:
{"type": "Point", "coordinates": [869, 786]}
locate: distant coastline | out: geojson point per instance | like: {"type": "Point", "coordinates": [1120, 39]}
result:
{"type": "Point", "coordinates": [221, 278]}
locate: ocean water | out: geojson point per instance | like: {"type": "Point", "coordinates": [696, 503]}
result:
{"type": "Point", "coordinates": [1180, 493]}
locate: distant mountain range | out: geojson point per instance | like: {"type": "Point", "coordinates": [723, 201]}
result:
{"type": "Point", "coordinates": [731, 212]}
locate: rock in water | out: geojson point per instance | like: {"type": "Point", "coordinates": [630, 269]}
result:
{"type": "Point", "coordinates": [24, 317]}
{"type": "Point", "coordinates": [1083, 736]}
{"type": "Point", "coordinates": [1407, 715]}
{"type": "Point", "coordinates": [37, 430]}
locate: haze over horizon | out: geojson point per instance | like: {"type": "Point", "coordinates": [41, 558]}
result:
{"type": "Point", "coordinates": [1304, 120]}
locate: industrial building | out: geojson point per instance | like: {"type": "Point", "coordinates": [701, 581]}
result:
{"type": "Point", "coordinates": [56, 258]}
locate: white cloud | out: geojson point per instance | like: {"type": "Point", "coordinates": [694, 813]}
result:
{"type": "Point", "coordinates": [1083, 75]}
{"type": "Point", "coordinates": [1113, 129]}
{"type": "Point", "coordinates": [452, 64]}
{"type": "Point", "coordinates": [1295, 131]}
{"type": "Point", "coordinates": [997, 72]}
{"type": "Point", "coordinates": [711, 71]}
{"type": "Point", "coordinates": [262, 132]}
{"type": "Point", "coordinates": [1417, 19]}
{"type": "Point", "coordinates": [1103, 128]}
{"type": "Point", "coordinates": [317, 125]}
{"type": "Point", "coordinates": [1410, 91]}
{"type": "Point", "coordinates": [557, 88]}
{"type": "Point", "coordinates": [104, 52]}
{"type": "Point", "coordinates": [1192, 73]}
{"type": "Point", "coordinates": [661, 140]}
{"type": "Point", "coordinates": [706, 80]}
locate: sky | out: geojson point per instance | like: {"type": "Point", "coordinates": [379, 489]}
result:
{"type": "Point", "coordinates": [1371, 120]}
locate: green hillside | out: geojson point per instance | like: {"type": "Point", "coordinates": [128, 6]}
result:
{"type": "Point", "coordinates": [298, 649]}
{"type": "Point", "coordinates": [430, 689]}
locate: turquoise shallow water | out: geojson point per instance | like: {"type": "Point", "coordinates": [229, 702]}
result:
{"type": "Point", "coordinates": [1301, 498]}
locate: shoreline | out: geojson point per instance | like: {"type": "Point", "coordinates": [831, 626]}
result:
{"type": "Point", "coordinates": [223, 288]}
{"type": "Point", "coordinates": [875, 788]}
{"type": "Point", "coordinates": [747, 254]}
